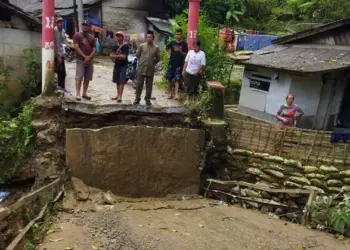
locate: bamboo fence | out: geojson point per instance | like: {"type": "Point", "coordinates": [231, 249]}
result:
{"type": "Point", "coordinates": [302, 144]}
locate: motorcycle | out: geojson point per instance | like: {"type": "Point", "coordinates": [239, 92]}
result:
{"type": "Point", "coordinates": [70, 54]}
{"type": "Point", "coordinates": [131, 70]}
{"type": "Point", "coordinates": [69, 49]}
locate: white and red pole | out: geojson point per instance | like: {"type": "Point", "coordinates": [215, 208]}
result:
{"type": "Point", "coordinates": [193, 20]}
{"type": "Point", "coordinates": [48, 50]}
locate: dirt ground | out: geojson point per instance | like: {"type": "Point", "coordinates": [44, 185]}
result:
{"type": "Point", "coordinates": [102, 88]}
{"type": "Point", "coordinates": [179, 225]}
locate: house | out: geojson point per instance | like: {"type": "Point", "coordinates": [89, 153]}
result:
{"type": "Point", "coordinates": [64, 8]}
{"type": "Point", "coordinates": [127, 15]}
{"type": "Point", "coordinates": [161, 29]}
{"type": "Point", "coordinates": [313, 65]}
{"type": "Point", "coordinates": [19, 32]}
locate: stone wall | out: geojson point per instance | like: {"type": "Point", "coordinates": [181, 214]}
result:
{"type": "Point", "coordinates": [324, 176]}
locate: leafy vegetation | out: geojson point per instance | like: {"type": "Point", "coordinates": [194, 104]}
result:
{"type": "Point", "coordinates": [327, 213]}
{"type": "Point", "coordinates": [16, 134]}
{"type": "Point", "coordinates": [29, 86]}
{"type": "Point", "coordinates": [16, 140]}
{"type": "Point", "coordinates": [218, 65]}
{"type": "Point", "coordinates": [272, 16]}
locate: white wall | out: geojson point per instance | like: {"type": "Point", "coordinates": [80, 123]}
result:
{"type": "Point", "coordinates": [267, 102]}
{"type": "Point", "coordinates": [13, 44]}
{"type": "Point", "coordinates": [264, 105]}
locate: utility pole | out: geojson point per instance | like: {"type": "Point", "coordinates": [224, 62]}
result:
{"type": "Point", "coordinates": [193, 20]}
{"type": "Point", "coordinates": [80, 14]}
{"type": "Point", "coordinates": [48, 45]}
{"type": "Point", "coordinates": [75, 18]}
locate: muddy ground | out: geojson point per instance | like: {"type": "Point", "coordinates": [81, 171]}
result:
{"type": "Point", "coordinates": [179, 225]}
{"type": "Point", "coordinates": [92, 219]}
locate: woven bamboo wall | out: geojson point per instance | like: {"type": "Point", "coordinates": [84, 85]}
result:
{"type": "Point", "coordinates": [300, 144]}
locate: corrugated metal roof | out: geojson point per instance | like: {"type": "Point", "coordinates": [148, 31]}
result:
{"type": "Point", "coordinates": [302, 58]}
{"type": "Point", "coordinates": [314, 31]}
{"type": "Point", "coordinates": [161, 24]}
{"type": "Point", "coordinates": [59, 4]}
{"type": "Point", "coordinates": [20, 12]}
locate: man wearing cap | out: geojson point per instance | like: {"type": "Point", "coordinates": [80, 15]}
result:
{"type": "Point", "coordinates": [120, 53]}
{"type": "Point", "coordinates": [85, 48]}
{"type": "Point", "coordinates": [60, 41]}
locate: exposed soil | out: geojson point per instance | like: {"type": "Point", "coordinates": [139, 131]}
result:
{"type": "Point", "coordinates": [179, 224]}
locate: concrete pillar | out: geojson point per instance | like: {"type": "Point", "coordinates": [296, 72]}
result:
{"type": "Point", "coordinates": [48, 52]}
{"type": "Point", "coordinates": [193, 20]}
{"type": "Point", "coordinates": [217, 91]}
{"type": "Point", "coordinates": [80, 14]}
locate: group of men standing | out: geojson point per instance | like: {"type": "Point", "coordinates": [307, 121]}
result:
{"type": "Point", "coordinates": [182, 63]}
{"type": "Point", "coordinates": [148, 54]}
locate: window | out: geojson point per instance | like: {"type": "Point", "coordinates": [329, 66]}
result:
{"type": "Point", "coordinates": [5, 15]}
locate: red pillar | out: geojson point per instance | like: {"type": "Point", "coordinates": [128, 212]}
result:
{"type": "Point", "coordinates": [193, 19]}
{"type": "Point", "coordinates": [48, 54]}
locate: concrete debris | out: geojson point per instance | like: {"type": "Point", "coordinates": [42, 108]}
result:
{"type": "Point", "coordinates": [108, 198]}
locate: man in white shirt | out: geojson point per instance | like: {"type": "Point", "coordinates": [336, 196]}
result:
{"type": "Point", "coordinates": [194, 64]}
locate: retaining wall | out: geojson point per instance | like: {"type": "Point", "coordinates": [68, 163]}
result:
{"type": "Point", "coordinates": [259, 168]}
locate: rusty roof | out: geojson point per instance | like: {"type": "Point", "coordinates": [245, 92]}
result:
{"type": "Point", "coordinates": [302, 58]}
{"type": "Point", "coordinates": [344, 23]}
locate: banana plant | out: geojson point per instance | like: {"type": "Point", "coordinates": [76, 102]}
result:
{"type": "Point", "coordinates": [232, 16]}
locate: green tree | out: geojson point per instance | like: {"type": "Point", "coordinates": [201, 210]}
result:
{"type": "Point", "coordinates": [271, 16]}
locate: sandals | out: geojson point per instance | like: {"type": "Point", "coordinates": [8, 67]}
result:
{"type": "Point", "coordinates": [86, 97]}
{"type": "Point", "coordinates": [78, 98]}
{"type": "Point", "coordinates": [118, 99]}
{"type": "Point", "coordinates": [170, 97]}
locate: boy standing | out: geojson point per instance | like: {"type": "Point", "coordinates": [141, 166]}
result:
{"type": "Point", "coordinates": [178, 54]}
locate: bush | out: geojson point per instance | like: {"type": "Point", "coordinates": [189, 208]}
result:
{"type": "Point", "coordinates": [218, 66]}
{"type": "Point", "coordinates": [329, 213]}
{"type": "Point", "coordinates": [16, 135]}
{"type": "Point", "coordinates": [30, 86]}
{"type": "Point", "coordinates": [16, 140]}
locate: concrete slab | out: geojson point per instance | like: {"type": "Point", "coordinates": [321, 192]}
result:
{"type": "Point", "coordinates": [100, 109]}
{"type": "Point", "coordinates": [136, 161]}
